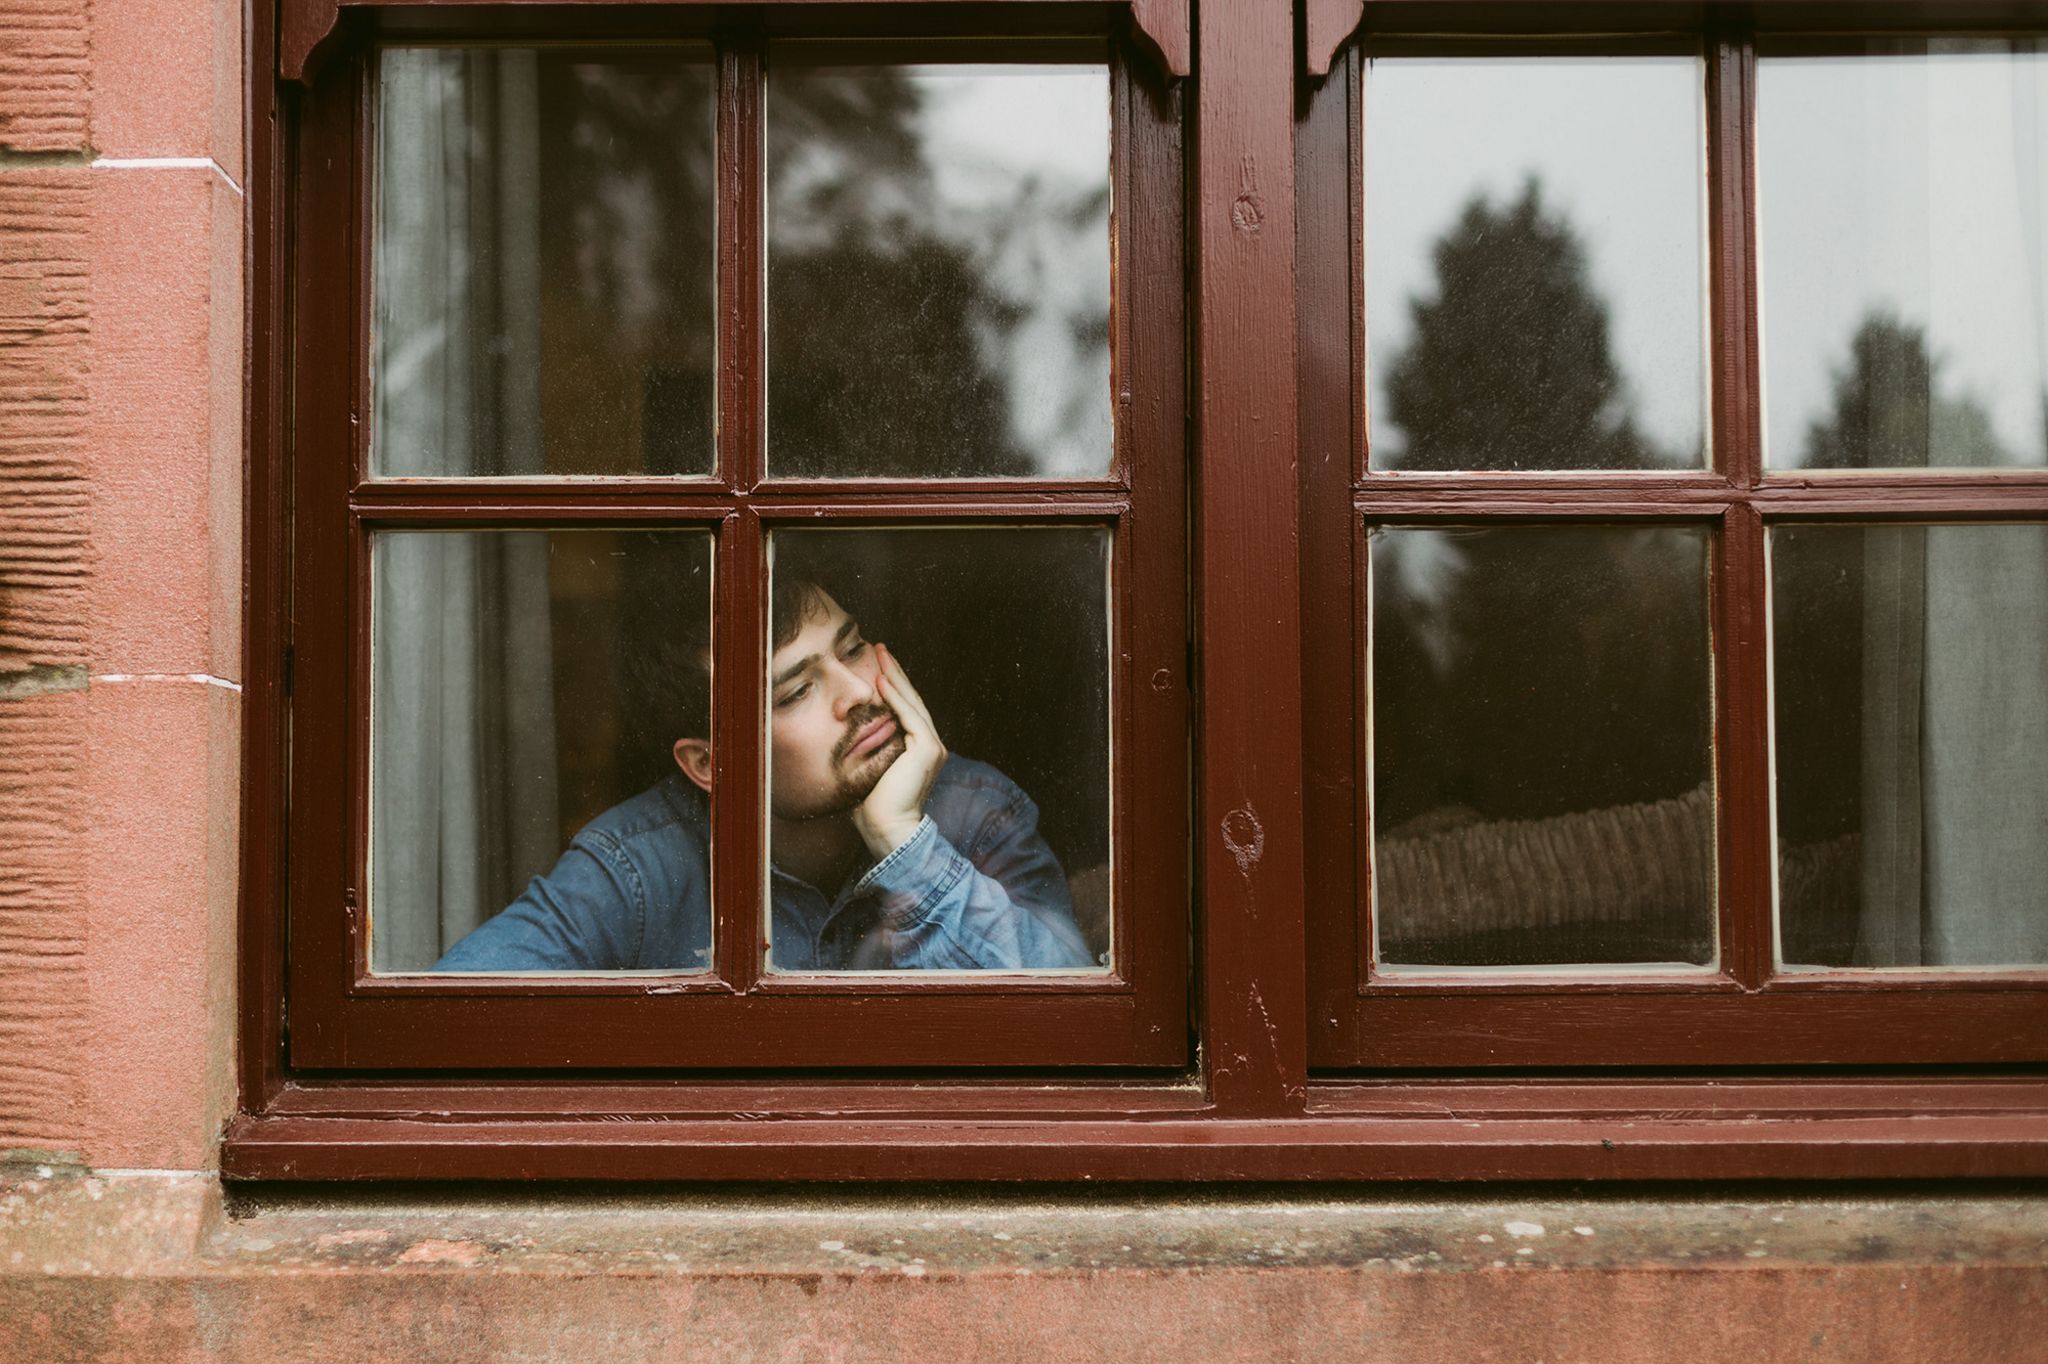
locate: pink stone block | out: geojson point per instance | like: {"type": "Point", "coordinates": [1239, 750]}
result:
{"type": "Point", "coordinates": [45, 75]}
{"type": "Point", "coordinates": [164, 426]}
{"type": "Point", "coordinates": [43, 817]}
{"type": "Point", "coordinates": [160, 781]}
{"type": "Point", "coordinates": [167, 80]}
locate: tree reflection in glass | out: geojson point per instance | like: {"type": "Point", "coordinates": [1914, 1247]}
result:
{"type": "Point", "coordinates": [938, 268]}
{"type": "Point", "coordinates": [1541, 745]}
{"type": "Point", "coordinates": [1534, 263]}
{"type": "Point", "coordinates": [1902, 195]}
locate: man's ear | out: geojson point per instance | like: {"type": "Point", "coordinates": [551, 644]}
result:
{"type": "Point", "coordinates": [694, 757]}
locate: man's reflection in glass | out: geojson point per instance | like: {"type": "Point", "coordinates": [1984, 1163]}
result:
{"type": "Point", "coordinates": [888, 853]}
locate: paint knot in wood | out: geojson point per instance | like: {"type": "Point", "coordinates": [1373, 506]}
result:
{"type": "Point", "coordinates": [1248, 213]}
{"type": "Point", "coordinates": [1244, 838]}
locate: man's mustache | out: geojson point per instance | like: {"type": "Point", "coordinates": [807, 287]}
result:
{"type": "Point", "coordinates": [857, 719]}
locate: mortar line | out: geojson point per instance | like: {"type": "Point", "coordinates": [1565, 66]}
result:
{"type": "Point", "coordinates": [166, 163]}
{"type": "Point", "coordinates": [208, 678]}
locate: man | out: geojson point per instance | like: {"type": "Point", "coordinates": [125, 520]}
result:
{"type": "Point", "coordinates": [887, 852]}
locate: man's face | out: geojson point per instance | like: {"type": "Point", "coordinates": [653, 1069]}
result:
{"type": "Point", "coordinates": [832, 738]}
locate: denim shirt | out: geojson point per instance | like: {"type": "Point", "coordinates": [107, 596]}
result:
{"type": "Point", "coordinates": [973, 888]}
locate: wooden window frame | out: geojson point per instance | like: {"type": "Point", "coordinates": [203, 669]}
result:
{"type": "Point", "coordinates": [1263, 1096]}
{"type": "Point", "coordinates": [1746, 1012]}
{"type": "Point", "coordinates": [738, 1016]}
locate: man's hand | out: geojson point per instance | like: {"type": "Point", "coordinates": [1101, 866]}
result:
{"type": "Point", "coordinates": [892, 811]}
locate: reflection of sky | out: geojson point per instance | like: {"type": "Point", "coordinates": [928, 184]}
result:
{"type": "Point", "coordinates": [1618, 144]}
{"type": "Point", "coordinates": [1913, 185]}
{"type": "Point", "coordinates": [984, 130]}
{"type": "Point", "coordinates": [1017, 155]}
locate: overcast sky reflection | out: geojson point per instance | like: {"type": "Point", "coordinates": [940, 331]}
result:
{"type": "Point", "coordinates": [1906, 185]}
{"type": "Point", "coordinates": [1617, 147]}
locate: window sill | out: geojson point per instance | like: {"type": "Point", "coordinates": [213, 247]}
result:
{"type": "Point", "coordinates": [1408, 1130]}
{"type": "Point", "coordinates": [89, 1261]}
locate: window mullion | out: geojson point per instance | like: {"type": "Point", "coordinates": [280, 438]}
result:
{"type": "Point", "coordinates": [740, 593]}
{"type": "Point", "coordinates": [739, 719]}
{"type": "Point", "coordinates": [1742, 746]}
{"type": "Point", "coordinates": [1731, 228]}
{"type": "Point", "coordinates": [1248, 575]}
{"type": "Point", "coordinates": [1742, 680]}
{"type": "Point", "coordinates": [742, 233]}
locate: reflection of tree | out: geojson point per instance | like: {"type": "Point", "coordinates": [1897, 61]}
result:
{"type": "Point", "coordinates": [1544, 689]}
{"type": "Point", "coordinates": [881, 326]}
{"type": "Point", "coordinates": [1888, 412]}
{"type": "Point", "coordinates": [1509, 365]}
{"type": "Point", "coordinates": [893, 318]}
{"type": "Point", "coordinates": [1528, 673]}
{"type": "Point", "coordinates": [876, 368]}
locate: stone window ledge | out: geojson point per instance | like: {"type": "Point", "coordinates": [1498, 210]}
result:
{"type": "Point", "coordinates": [102, 1265]}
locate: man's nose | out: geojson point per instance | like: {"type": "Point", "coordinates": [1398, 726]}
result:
{"type": "Point", "coordinates": [852, 689]}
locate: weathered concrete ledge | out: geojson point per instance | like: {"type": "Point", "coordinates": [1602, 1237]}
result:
{"type": "Point", "coordinates": [166, 1268]}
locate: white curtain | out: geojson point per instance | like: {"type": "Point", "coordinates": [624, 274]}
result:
{"type": "Point", "coordinates": [463, 794]}
{"type": "Point", "coordinates": [1985, 781]}
{"type": "Point", "coordinates": [1955, 785]}
{"type": "Point", "coordinates": [1955, 747]}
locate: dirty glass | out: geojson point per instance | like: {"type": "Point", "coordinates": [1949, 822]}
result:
{"type": "Point", "coordinates": [1902, 206]}
{"type": "Point", "coordinates": [1535, 268]}
{"type": "Point", "coordinates": [534, 695]}
{"type": "Point", "coordinates": [938, 266]}
{"type": "Point", "coordinates": [1541, 746]}
{"type": "Point", "coordinates": [543, 262]}
{"type": "Point", "coordinates": [939, 750]}
{"type": "Point", "coordinates": [1910, 684]}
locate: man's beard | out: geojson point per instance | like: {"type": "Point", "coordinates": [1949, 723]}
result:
{"type": "Point", "coordinates": [852, 785]}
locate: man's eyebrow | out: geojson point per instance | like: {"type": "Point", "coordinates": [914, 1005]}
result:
{"type": "Point", "coordinates": [808, 660]}
{"type": "Point", "coordinates": [800, 666]}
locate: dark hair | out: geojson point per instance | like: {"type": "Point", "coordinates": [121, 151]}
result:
{"type": "Point", "coordinates": [668, 666]}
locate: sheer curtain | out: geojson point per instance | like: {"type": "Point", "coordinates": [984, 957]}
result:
{"type": "Point", "coordinates": [463, 784]}
{"type": "Point", "coordinates": [1984, 793]}
{"type": "Point", "coordinates": [1955, 751]}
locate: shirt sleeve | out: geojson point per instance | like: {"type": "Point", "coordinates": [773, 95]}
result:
{"type": "Point", "coordinates": [588, 914]}
{"type": "Point", "coordinates": [1004, 907]}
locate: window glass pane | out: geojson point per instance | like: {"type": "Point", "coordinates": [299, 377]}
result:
{"type": "Point", "coordinates": [1910, 671]}
{"type": "Point", "coordinates": [938, 269]}
{"type": "Point", "coordinates": [530, 806]}
{"type": "Point", "coordinates": [1902, 197]}
{"type": "Point", "coordinates": [1542, 746]}
{"type": "Point", "coordinates": [1534, 262]}
{"type": "Point", "coordinates": [543, 262]}
{"type": "Point", "coordinates": [888, 855]}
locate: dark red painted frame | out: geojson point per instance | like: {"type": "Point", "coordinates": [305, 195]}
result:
{"type": "Point", "coordinates": [1746, 1012]}
{"type": "Point", "coordinates": [736, 1018]}
{"type": "Point", "coordinates": [1250, 1109]}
